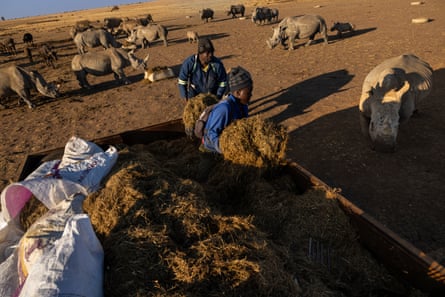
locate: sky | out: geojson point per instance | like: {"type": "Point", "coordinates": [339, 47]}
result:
{"type": "Point", "coordinates": [11, 9]}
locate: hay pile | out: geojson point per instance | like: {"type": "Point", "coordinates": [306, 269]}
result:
{"type": "Point", "coordinates": [255, 142]}
{"type": "Point", "coordinates": [236, 232]}
{"type": "Point", "coordinates": [194, 107]}
{"type": "Point", "coordinates": [176, 222]}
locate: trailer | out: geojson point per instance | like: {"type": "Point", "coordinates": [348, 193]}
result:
{"type": "Point", "coordinates": [399, 256]}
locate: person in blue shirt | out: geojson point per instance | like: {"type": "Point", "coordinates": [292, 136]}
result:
{"type": "Point", "coordinates": [233, 107]}
{"type": "Point", "coordinates": [202, 73]}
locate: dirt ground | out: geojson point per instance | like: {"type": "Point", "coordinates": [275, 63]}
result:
{"type": "Point", "coordinates": [313, 91]}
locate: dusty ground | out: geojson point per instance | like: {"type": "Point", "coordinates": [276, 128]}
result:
{"type": "Point", "coordinates": [313, 91]}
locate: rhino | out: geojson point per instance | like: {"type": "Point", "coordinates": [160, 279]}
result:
{"type": "Point", "coordinates": [262, 15]}
{"type": "Point", "coordinates": [28, 39]}
{"type": "Point", "coordinates": [128, 26]}
{"type": "Point", "coordinates": [206, 14]}
{"type": "Point", "coordinates": [342, 28]}
{"type": "Point", "coordinates": [112, 24]}
{"type": "Point", "coordinates": [93, 38]}
{"type": "Point", "coordinates": [15, 79]}
{"type": "Point", "coordinates": [112, 60]}
{"type": "Point", "coordinates": [390, 95]}
{"type": "Point", "coordinates": [192, 36]}
{"type": "Point", "coordinates": [48, 55]}
{"type": "Point", "coordinates": [149, 33]}
{"type": "Point", "coordinates": [236, 9]}
{"type": "Point", "coordinates": [304, 26]}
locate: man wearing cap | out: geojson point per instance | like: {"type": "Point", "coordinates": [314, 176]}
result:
{"type": "Point", "coordinates": [202, 73]}
{"type": "Point", "coordinates": [234, 107]}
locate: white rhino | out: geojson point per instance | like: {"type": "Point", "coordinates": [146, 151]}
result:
{"type": "Point", "coordinates": [390, 95]}
{"type": "Point", "coordinates": [112, 60]}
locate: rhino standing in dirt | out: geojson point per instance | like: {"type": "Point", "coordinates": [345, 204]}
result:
{"type": "Point", "coordinates": [298, 27]}
{"type": "Point", "coordinates": [390, 94]}
{"type": "Point", "coordinates": [112, 60]}
{"type": "Point", "coordinates": [148, 34]}
{"type": "Point", "coordinates": [93, 38]}
{"type": "Point", "coordinates": [15, 79]}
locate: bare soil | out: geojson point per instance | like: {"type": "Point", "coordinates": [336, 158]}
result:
{"type": "Point", "coordinates": [313, 91]}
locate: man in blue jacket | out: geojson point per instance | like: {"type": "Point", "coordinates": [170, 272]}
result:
{"type": "Point", "coordinates": [234, 107]}
{"type": "Point", "coordinates": [202, 73]}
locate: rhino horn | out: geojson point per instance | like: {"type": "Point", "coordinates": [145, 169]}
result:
{"type": "Point", "coordinates": [405, 88]}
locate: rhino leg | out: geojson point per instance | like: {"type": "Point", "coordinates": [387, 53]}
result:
{"type": "Point", "coordinates": [82, 79]}
{"type": "Point", "coordinates": [24, 95]}
{"type": "Point", "coordinates": [119, 75]}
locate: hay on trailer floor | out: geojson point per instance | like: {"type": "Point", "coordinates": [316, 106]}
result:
{"type": "Point", "coordinates": [177, 222]}
{"type": "Point", "coordinates": [239, 231]}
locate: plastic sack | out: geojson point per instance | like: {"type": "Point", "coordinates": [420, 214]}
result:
{"type": "Point", "coordinates": [51, 182]}
{"type": "Point", "coordinates": [60, 255]}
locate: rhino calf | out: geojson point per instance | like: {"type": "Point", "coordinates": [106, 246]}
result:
{"type": "Point", "coordinates": [298, 27]}
{"type": "Point", "coordinates": [111, 60]}
{"type": "Point", "coordinates": [192, 36]}
{"type": "Point", "coordinates": [390, 94]}
{"type": "Point", "coordinates": [342, 28]}
{"type": "Point", "coordinates": [15, 79]}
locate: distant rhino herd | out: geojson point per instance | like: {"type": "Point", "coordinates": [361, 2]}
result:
{"type": "Point", "coordinates": [390, 92]}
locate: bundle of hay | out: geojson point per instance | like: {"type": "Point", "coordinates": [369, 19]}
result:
{"type": "Point", "coordinates": [194, 107]}
{"type": "Point", "coordinates": [255, 142]}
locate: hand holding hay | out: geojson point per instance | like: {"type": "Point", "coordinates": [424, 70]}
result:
{"type": "Point", "coordinates": [255, 142]}
{"type": "Point", "coordinates": [193, 109]}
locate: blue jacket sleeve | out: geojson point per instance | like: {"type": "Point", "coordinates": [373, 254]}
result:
{"type": "Point", "coordinates": [186, 69]}
{"type": "Point", "coordinates": [219, 118]}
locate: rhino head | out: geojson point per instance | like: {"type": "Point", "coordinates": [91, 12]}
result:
{"type": "Point", "coordinates": [137, 63]}
{"type": "Point", "coordinates": [385, 118]}
{"type": "Point", "coordinates": [47, 89]}
{"type": "Point", "coordinates": [276, 37]}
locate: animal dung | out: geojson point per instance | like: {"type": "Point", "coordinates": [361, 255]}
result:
{"type": "Point", "coordinates": [417, 3]}
{"type": "Point", "coordinates": [158, 73]}
{"type": "Point", "coordinates": [420, 20]}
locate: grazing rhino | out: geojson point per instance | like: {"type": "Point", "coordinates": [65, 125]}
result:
{"type": "Point", "coordinates": [15, 79]}
{"type": "Point", "coordinates": [291, 28]}
{"type": "Point", "coordinates": [342, 28]}
{"type": "Point", "coordinates": [262, 15]}
{"type": "Point", "coordinates": [206, 14]}
{"type": "Point", "coordinates": [390, 94]}
{"type": "Point", "coordinates": [8, 47]}
{"type": "Point", "coordinates": [236, 9]}
{"type": "Point", "coordinates": [148, 34]}
{"type": "Point", "coordinates": [112, 60]}
{"type": "Point", "coordinates": [48, 55]}
{"type": "Point", "coordinates": [93, 38]}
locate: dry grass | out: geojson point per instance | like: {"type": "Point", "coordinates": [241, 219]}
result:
{"type": "Point", "coordinates": [195, 106]}
{"type": "Point", "coordinates": [254, 142]}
